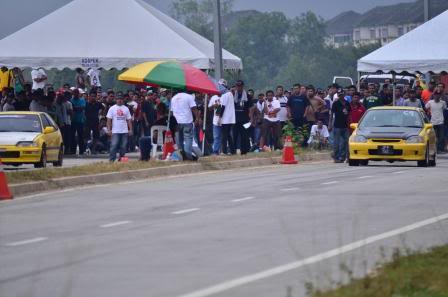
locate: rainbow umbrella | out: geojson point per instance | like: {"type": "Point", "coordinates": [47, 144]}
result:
{"type": "Point", "coordinates": [170, 74]}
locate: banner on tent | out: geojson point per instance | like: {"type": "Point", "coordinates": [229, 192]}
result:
{"type": "Point", "coordinates": [90, 62]}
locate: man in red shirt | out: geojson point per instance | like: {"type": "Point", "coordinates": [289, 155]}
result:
{"type": "Point", "coordinates": [426, 94]}
{"type": "Point", "coordinates": [357, 109]}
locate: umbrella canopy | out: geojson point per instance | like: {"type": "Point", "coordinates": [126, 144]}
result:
{"type": "Point", "coordinates": [170, 74]}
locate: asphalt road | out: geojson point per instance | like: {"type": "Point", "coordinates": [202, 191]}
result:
{"type": "Point", "coordinates": [256, 232]}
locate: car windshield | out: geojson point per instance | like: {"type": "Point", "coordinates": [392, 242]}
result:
{"type": "Point", "coordinates": [20, 123]}
{"type": "Point", "coordinates": [391, 118]}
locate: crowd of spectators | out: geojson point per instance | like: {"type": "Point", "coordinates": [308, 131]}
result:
{"type": "Point", "coordinates": [237, 120]}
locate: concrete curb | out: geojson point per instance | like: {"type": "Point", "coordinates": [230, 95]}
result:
{"type": "Point", "coordinates": [115, 177]}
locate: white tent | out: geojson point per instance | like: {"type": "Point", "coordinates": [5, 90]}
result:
{"type": "Point", "coordinates": [424, 49]}
{"type": "Point", "coordinates": [108, 34]}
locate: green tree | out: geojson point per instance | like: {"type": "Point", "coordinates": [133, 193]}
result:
{"type": "Point", "coordinates": [260, 40]}
{"type": "Point", "coordinates": [198, 14]}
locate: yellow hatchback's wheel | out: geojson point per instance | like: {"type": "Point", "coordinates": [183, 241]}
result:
{"type": "Point", "coordinates": [60, 160]}
{"type": "Point", "coordinates": [43, 159]}
{"type": "Point", "coordinates": [424, 163]}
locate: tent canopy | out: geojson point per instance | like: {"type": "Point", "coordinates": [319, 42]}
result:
{"type": "Point", "coordinates": [108, 34]}
{"type": "Point", "coordinates": [424, 49]}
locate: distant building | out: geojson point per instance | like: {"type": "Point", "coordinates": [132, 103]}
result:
{"type": "Point", "coordinates": [381, 25]}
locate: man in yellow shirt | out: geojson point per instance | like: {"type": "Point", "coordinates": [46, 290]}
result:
{"type": "Point", "coordinates": [5, 78]}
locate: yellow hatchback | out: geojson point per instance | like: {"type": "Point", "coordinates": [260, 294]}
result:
{"type": "Point", "coordinates": [393, 134]}
{"type": "Point", "coordinates": [30, 138]}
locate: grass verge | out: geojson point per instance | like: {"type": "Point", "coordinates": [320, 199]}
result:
{"type": "Point", "coordinates": [417, 275]}
{"type": "Point", "coordinates": [17, 177]}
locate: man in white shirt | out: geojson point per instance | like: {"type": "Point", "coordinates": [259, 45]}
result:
{"type": "Point", "coordinates": [283, 113]}
{"type": "Point", "coordinates": [39, 78]}
{"type": "Point", "coordinates": [271, 125]}
{"type": "Point", "coordinates": [228, 120]}
{"type": "Point", "coordinates": [436, 107]}
{"type": "Point", "coordinates": [183, 107]}
{"type": "Point", "coordinates": [215, 106]}
{"type": "Point", "coordinates": [119, 127]}
{"type": "Point", "coordinates": [94, 76]}
{"type": "Point", "coordinates": [319, 135]}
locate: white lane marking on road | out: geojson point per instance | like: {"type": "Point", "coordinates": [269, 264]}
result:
{"type": "Point", "coordinates": [365, 176]}
{"type": "Point", "coordinates": [115, 224]}
{"type": "Point", "coordinates": [28, 241]}
{"type": "Point", "coordinates": [329, 183]}
{"type": "Point", "coordinates": [289, 189]}
{"type": "Point", "coordinates": [225, 286]}
{"type": "Point", "coordinates": [243, 199]}
{"type": "Point", "coordinates": [398, 172]}
{"type": "Point", "coordinates": [184, 211]}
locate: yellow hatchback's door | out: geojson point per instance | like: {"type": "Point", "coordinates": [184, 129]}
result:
{"type": "Point", "coordinates": [52, 139]}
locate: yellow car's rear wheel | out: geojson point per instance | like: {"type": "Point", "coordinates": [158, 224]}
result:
{"type": "Point", "coordinates": [60, 160]}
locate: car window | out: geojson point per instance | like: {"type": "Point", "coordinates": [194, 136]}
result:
{"type": "Point", "coordinates": [20, 123]}
{"type": "Point", "coordinates": [50, 121]}
{"type": "Point", "coordinates": [45, 121]}
{"type": "Point", "coordinates": [392, 118]}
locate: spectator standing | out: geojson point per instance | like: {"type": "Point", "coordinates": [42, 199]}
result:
{"type": "Point", "coordinates": [271, 125]}
{"type": "Point", "coordinates": [426, 94]}
{"type": "Point", "coordinates": [297, 105]}
{"type": "Point", "coordinates": [340, 111]}
{"type": "Point", "coordinates": [39, 78]}
{"type": "Point", "coordinates": [256, 115]}
{"type": "Point", "coordinates": [94, 77]}
{"type": "Point", "coordinates": [80, 79]}
{"type": "Point", "coordinates": [436, 107]}
{"type": "Point", "coordinates": [386, 95]}
{"type": "Point", "coordinates": [184, 108]}
{"type": "Point", "coordinates": [78, 122]}
{"type": "Point", "coordinates": [242, 106]}
{"type": "Point", "coordinates": [6, 77]}
{"type": "Point", "coordinates": [372, 100]}
{"type": "Point", "coordinates": [317, 105]}
{"type": "Point", "coordinates": [37, 101]}
{"type": "Point", "coordinates": [412, 101]}
{"type": "Point", "coordinates": [18, 82]}
{"type": "Point", "coordinates": [119, 127]}
{"type": "Point", "coordinates": [215, 106]}
{"type": "Point", "coordinates": [357, 110]}
{"type": "Point", "coordinates": [228, 120]}
{"type": "Point", "coordinates": [399, 99]}
{"type": "Point", "coordinates": [280, 96]}
{"type": "Point", "coordinates": [93, 109]}
{"type": "Point", "coordinates": [9, 102]}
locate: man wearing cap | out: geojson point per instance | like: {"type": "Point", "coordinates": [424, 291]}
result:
{"type": "Point", "coordinates": [183, 107]}
{"type": "Point", "coordinates": [340, 112]}
{"type": "Point", "coordinates": [119, 127]}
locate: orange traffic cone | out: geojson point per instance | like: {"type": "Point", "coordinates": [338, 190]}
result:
{"type": "Point", "coordinates": [288, 152]}
{"type": "Point", "coordinates": [168, 146]}
{"type": "Point", "coordinates": [5, 194]}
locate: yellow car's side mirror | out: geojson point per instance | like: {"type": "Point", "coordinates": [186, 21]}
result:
{"type": "Point", "coordinates": [354, 126]}
{"type": "Point", "coordinates": [49, 130]}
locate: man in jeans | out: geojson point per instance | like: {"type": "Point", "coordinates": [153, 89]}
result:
{"type": "Point", "coordinates": [183, 107]}
{"type": "Point", "coordinates": [436, 107]}
{"type": "Point", "coordinates": [340, 111]}
{"type": "Point", "coordinates": [119, 127]}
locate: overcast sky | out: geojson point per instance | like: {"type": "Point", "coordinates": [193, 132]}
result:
{"type": "Point", "coordinates": [19, 13]}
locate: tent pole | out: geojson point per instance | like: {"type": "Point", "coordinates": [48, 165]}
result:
{"type": "Point", "coordinates": [204, 123]}
{"type": "Point", "coordinates": [358, 84]}
{"type": "Point", "coordinates": [393, 88]}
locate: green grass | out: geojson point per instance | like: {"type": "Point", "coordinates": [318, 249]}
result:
{"type": "Point", "coordinates": [17, 177]}
{"type": "Point", "coordinates": [416, 275]}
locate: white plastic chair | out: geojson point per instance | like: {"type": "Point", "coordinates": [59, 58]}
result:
{"type": "Point", "coordinates": [159, 130]}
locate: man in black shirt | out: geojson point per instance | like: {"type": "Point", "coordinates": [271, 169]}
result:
{"type": "Point", "coordinates": [296, 106]}
{"type": "Point", "coordinates": [93, 108]}
{"type": "Point", "coordinates": [242, 106]}
{"type": "Point", "coordinates": [340, 113]}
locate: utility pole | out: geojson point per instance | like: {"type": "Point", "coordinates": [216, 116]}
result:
{"type": "Point", "coordinates": [426, 5]}
{"type": "Point", "coordinates": [218, 40]}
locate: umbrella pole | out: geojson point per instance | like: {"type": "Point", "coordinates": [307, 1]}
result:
{"type": "Point", "coordinates": [204, 123]}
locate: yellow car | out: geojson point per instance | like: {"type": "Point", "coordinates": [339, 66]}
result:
{"type": "Point", "coordinates": [393, 134]}
{"type": "Point", "coordinates": [30, 138]}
